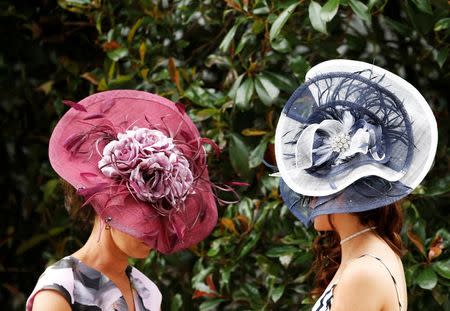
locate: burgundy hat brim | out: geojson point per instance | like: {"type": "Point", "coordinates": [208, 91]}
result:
{"type": "Point", "coordinates": [125, 109]}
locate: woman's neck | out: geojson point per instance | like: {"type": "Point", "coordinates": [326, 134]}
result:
{"type": "Point", "coordinates": [101, 253]}
{"type": "Point", "coordinates": [360, 245]}
{"type": "Point", "coordinates": [359, 240]}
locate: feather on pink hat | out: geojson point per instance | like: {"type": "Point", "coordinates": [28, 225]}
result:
{"type": "Point", "coordinates": [139, 161]}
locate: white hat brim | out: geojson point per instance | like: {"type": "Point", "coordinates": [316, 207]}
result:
{"type": "Point", "coordinates": [424, 131]}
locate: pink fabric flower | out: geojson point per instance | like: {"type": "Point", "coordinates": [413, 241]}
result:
{"type": "Point", "coordinates": [119, 156]}
{"type": "Point", "coordinates": [150, 164]}
{"type": "Point", "coordinates": [151, 140]}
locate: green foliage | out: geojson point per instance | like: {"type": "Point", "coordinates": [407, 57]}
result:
{"type": "Point", "coordinates": [233, 64]}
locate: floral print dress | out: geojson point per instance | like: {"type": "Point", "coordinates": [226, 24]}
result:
{"type": "Point", "coordinates": [87, 289]}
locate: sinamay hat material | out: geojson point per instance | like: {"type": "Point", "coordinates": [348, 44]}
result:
{"type": "Point", "coordinates": [353, 137]}
{"type": "Point", "coordinates": [139, 161]}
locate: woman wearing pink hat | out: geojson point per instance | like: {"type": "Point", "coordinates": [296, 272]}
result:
{"type": "Point", "coordinates": [351, 142]}
{"type": "Point", "coordinates": [138, 161]}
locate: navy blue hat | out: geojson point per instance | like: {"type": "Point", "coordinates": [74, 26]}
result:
{"type": "Point", "coordinates": [353, 137]}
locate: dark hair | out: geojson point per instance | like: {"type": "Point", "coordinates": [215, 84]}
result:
{"type": "Point", "coordinates": [74, 205]}
{"type": "Point", "coordinates": [388, 221]}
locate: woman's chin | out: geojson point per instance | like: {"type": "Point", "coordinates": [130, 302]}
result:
{"type": "Point", "coordinates": [141, 253]}
{"type": "Point", "coordinates": [322, 223]}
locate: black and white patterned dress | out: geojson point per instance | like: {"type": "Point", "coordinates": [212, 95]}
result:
{"type": "Point", "coordinates": [87, 289]}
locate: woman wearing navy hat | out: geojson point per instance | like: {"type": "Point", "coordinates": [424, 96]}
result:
{"type": "Point", "coordinates": [351, 142]}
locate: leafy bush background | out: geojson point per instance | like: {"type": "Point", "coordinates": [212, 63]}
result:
{"type": "Point", "coordinates": [233, 64]}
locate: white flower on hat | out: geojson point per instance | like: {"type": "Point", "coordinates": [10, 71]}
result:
{"type": "Point", "coordinates": [338, 138]}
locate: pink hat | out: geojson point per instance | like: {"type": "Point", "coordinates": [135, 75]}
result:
{"type": "Point", "coordinates": [139, 161]}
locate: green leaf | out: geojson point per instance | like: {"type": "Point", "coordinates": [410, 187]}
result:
{"type": "Point", "coordinates": [216, 244]}
{"type": "Point", "coordinates": [235, 86]}
{"type": "Point", "coordinates": [398, 27]}
{"type": "Point", "coordinates": [315, 18]}
{"type": "Point", "coordinates": [299, 66]}
{"type": "Point", "coordinates": [177, 303]}
{"type": "Point", "coordinates": [133, 30]}
{"type": "Point", "coordinates": [261, 10]}
{"type": "Point", "coordinates": [239, 155]}
{"type": "Point", "coordinates": [424, 6]}
{"type": "Point", "coordinates": [198, 279]}
{"type": "Point", "coordinates": [210, 304]}
{"type": "Point", "coordinates": [304, 258]}
{"type": "Point", "coordinates": [50, 188]}
{"type": "Point", "coordinates": [259, 223]}
{"type": "Point", "coordinates": [420, 20]}
{"type": "Point", "coordinates": [280, 44]}
{"type": "Point", "coordinates": [203, 114]}
{"type": "Point", "coordinates": [426, 278]}
{"type": "Point", "coordinates": [441, 57]}
{"type": "Point", "coordinates": [283, 82]}
{"type": "Point", "coordinates": [278, 251]}
{"type": "Point", "coordinates": [250, 243]}
{"type": "Point", "coordinates": [380, 4]}
{"type": "Point", "coordinates": [121, 81]}
{"type": "Point", "coordinates": [277, 292]}
{"type": "Point", "coordinates": [258, 26]}
{"type": "Point", "coordinates": [102, 85]}
{"type": "Point", "coordinates": [244, 94]}
{"type": "Point", "coordinates": [225, 274]}
{"type": "Point", "coordinates": [440, 295]}
{"type": "Point", "coordinates": [117, 54]}
{"type": "Point", "coordinates": [250, 293]}
{"type": "Point", "coordinates": [213, 250]}
{"type": "Point", "coordinates": [265, 89]}
{"type": "Point", "coordinates": [442, 268]}
{"type": "Point", "coordinates": [278, 24]}
{"type": "Point", "coordinates": [329, 10]}
{"type": "Point", "coordinates": [218, 60]}
{"type": "Point", "coordinates": [200, 96]}
{"type": "Point", "coordinates": [361, 10]}
{"type": "Point", "coordinates": [225, 44]}
{"type": "Point", "coordinates": [419, 229]}
{"type": "Point", "coordinates": [442, 24]}
{"type": "Point", "coordinates": [410, 273]}
{"type": "Point", "coordinates": [77, 6]}
{"type": "Point", "coordinates": [244, 39]}
{"type": "Point", "coordinates": [442, 232]}
{"type": "Point", "coordinates": [267, 266]}
{"type": "Point", "coordinates": [98, 23]}
{"type": "Point", "coordinates": [257, 155]}
{"type": "Point", "coordinates": [245, 207]}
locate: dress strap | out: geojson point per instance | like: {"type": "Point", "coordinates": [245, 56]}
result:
{"type": "Point", "coordinates": [392, 276]}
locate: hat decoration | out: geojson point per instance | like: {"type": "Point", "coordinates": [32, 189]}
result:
{"type": "Point", "coordinates": [353, 137]}
{"type": "Point", "coordinates": [152, 167]}
{"type": "Point", "coordinates": [139, 161]}
{"type": "Point", "coordinates": [144, 163]}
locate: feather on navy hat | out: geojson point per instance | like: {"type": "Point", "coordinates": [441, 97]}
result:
{"type": "Point", "coordinates": [353, 137]}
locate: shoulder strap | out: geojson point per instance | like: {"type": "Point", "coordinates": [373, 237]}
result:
{"type": "Point", "coordinates": [392, 276]}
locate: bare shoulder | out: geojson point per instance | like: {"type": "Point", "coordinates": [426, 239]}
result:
{"type": "Point", "coordinates": [363, 285]}
{"type": "Point", "coordinates": [49, 299]}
